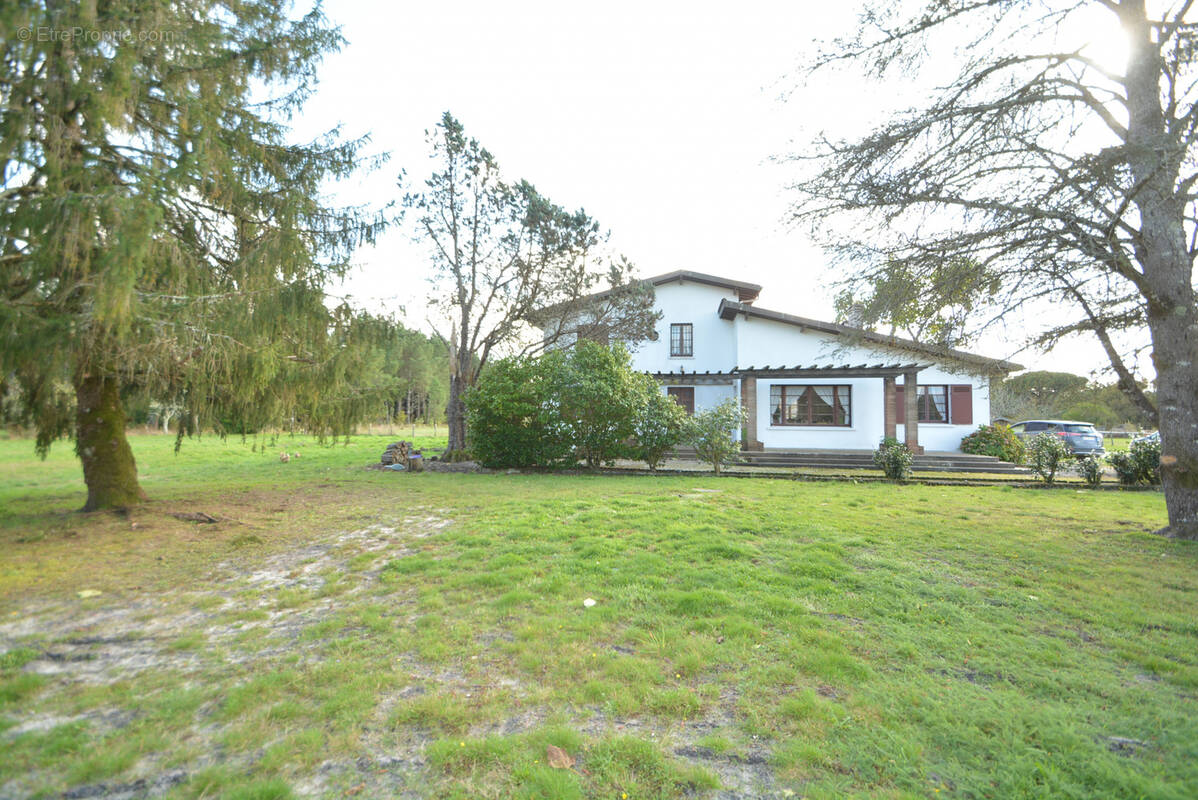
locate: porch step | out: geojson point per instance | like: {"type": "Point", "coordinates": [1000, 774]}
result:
{"type": "Point", "coordinates": [860, 459]}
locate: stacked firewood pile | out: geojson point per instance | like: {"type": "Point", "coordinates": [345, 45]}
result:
{"type": "Point", "coordinates": [405, 454]}
{"type": "Point", "coordinates": [397, 453]}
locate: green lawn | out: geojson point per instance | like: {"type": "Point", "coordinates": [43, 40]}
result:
{"type": "Point", "coordinates": [1114, 445]}
{"type": "Point", "coordinates": [349, 633]}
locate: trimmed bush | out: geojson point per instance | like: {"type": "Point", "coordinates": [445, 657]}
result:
{"type": "Point", "coordinates": [512, 415]}
{"type": "Point", "coordinates": [598, 397]}
{"type": "Point", "coordinates": [710, 433]}
{"type": "Point", "coordinates": [995, 440]}
{"type": "Point", "coordinates": [1148, 456]}
{"type": "Point", "coordinates": [1140, 464]}
{"type": "Point", "coordinates": [586, 403]}
{"type": "Point", "coordinates": [659, 426]}
{"type": "Point", "coordinates": [894, 459]}
{"type": "Point", "coordinates": [1090, 468]}
{"type": "Point", "coordinates": [1047, 456]}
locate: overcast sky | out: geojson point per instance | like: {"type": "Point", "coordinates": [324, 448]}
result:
{"type": "Point", "coordinates": [662, 122]}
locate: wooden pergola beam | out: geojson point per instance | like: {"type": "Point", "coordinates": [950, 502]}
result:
{"type": "Point", "coordinates": [857, 371]}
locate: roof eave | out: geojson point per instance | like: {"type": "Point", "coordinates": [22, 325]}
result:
{"type": "Point", "coordinates": [992, 366]}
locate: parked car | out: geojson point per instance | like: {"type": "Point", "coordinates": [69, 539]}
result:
{"type": "Point", "coordinates": [1155, 436]}
{"type": "Point", "coordinates": [1082, 438]}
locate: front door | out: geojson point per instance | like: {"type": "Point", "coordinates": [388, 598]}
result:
{"type": "Point", "coordinates": [683, 396]}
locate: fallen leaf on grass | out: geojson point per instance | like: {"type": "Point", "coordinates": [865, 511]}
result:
{"type": "Point", "coordinates": [558, 758]}
{"type": "Point", "coordinates": [86, 593]}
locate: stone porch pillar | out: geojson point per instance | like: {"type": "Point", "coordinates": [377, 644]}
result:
{"type": "Point", "coordinates": [748, 399]}
{"type": "Point", "coordinates": [889, 408]}
{"type": "Point", "coordinates": [911, 411]}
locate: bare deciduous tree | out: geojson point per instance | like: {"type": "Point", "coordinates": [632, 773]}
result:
{"type": "Point", "coordinates": [508, 259]}
{"type": "Point", "coordinates": [1069, 181]}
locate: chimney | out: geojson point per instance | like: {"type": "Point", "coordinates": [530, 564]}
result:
{"type": "Point", "coordinates": [856, 316]}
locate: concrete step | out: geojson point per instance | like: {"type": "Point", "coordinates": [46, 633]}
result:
{"type": "Point", "coordinates": [857, 459]}
{"type": "Point", "coordinates": [923, 459]}
{"type": "Point", "coordinates": [1005, 468]}
{"type": "Point", "coordinates": [863, 459]}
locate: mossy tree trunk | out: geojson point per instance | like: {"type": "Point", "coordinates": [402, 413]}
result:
{"type": "Point", "coordinates": [108, 466]}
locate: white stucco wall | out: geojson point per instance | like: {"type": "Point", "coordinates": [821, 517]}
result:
{"type": "Point", "coordinates": [763, 342]}
{"type": "Point", "coordinates": [714, 338]}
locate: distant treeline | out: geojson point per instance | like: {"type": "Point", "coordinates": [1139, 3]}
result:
{"type": "Point", "coordinates": [419, 363]}
{"type": "Point", "coordinates": [408, 370]}
{"type": "Point", "coordinates": [1063, 395]}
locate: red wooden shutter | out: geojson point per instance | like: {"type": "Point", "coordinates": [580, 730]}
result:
{"type": "Point", "coordinates": [900, 413]}
{"type": "Point", "coordinates": [961, 404]}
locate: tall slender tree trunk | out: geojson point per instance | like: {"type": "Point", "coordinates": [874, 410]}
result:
{"type": "Point", "coordinates": [459, 370]}
{"type": "Point", "coordinates": [108, 466]}
{"type": "Point", "coordinates": [455, 413]}
{"type": "Point", "coordinates": [1155, 156]}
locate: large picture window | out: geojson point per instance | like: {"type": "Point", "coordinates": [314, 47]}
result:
{"type": "Point", "coordinates": [799, 404]}
{"type": "Point", "coordinates": [933, 403]}
{"type": "Point", "coordinates": [682, 339]}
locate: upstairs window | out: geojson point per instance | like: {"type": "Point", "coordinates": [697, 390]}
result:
{"type": "Point", "coordinates": [682, 339]}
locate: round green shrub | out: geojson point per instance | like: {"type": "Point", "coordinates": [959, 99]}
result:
{"type": "Point", "coordinates": [659, 425]}
{"type": "Point", "coordinates": [512, 415]}
{"type": "Point", "coordinates": [1090, 468]}
{"type": "Point", "coordinates": [586, 403]}
{"type": "Point", "coordinates": [1047, 456]}
{"type": "Point", "coordinates": [995, 440]}
{"type": "Point", "coordinates": [894, 459]}
{"type": "Point", "coordinates": [710, 432]}
{"type": "Point", "coordinates": [1140, 464]}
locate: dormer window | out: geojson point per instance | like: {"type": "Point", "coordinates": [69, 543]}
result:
{"type": "Point", "coordinates": [682, 339]}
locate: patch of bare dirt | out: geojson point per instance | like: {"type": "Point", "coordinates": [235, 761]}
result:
{"type": "Point", "coordinates": [100, 641]}
{"type": "Point", "coordinates": [105, 640]}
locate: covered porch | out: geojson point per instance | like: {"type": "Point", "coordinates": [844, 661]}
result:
{"type": "Point", "coordinates": [868, 414]}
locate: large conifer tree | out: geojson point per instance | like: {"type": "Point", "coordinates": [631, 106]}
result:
{"type": "Point", "coordinates": [160, 233]}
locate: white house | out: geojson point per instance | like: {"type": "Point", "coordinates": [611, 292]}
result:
{"type": "Point", "coordinates": [806, 384]}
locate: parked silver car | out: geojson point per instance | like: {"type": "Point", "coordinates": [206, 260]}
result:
{"type": "Point", "coordinates": [1082, 438]}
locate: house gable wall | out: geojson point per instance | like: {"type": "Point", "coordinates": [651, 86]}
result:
{"type": "Point", "coordinates": [714, 338]}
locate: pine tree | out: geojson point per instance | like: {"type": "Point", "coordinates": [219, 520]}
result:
{"type": "Point", "coordinates": [160, 235]}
